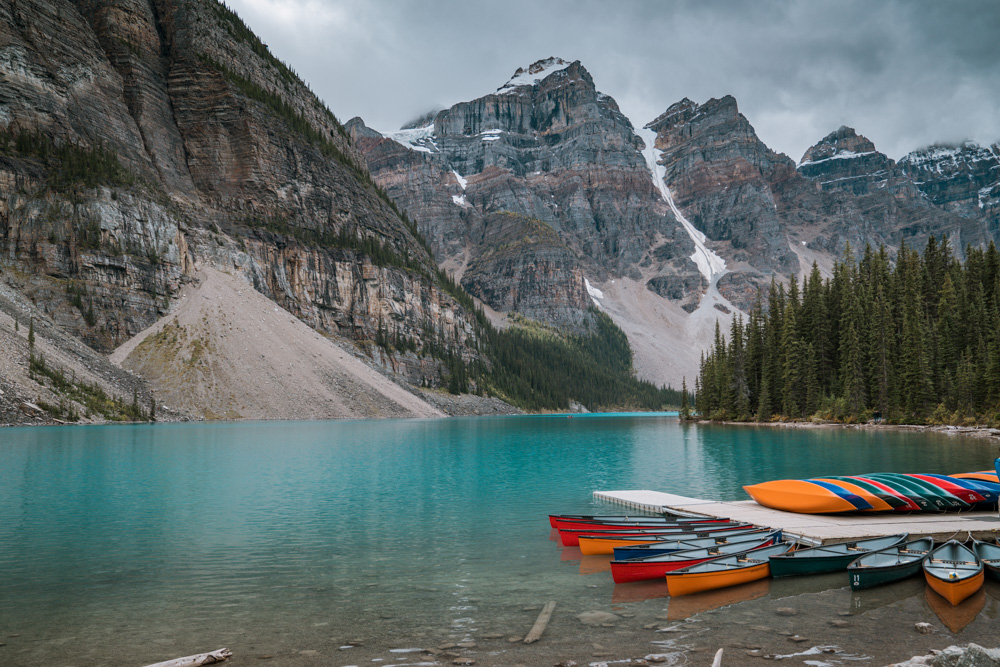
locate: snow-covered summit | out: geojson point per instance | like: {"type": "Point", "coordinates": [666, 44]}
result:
{"type": "Point", "coordinates": [534, 73]}
{"type": "Point", "coordinates": [945, 157]}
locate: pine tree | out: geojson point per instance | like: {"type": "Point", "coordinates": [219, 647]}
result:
{"type": "Point", "coordinates": [881, 353]}
{"type": "Point", "coordinates": [737, 364]}
{"type": "Point", "coordinates": [685, 406]}
{"type": "Point", "coordinates": [791, 388]}
{"type": "Point", "coordinates": [31, 334]}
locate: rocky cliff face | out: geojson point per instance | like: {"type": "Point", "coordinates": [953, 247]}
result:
{"type": "Point", "coordinates": [210, 150]}
{"type": "Point", "coordinates": [845, 160]}
{"type": "Point", "coordinates": [723, 211]}
{"type": "Point", "coordinates": [961, 179]}
{"type": "Point", "coordinates": [546, 146]}
{"type": "Point", "coordinates": [721, 175]}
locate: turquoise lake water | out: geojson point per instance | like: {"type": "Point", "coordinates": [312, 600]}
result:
{"type": "Point", "coordinates": [291, 539]}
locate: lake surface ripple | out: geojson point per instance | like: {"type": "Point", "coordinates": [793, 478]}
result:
{"type": "Point", "coordinates": [333, 543]}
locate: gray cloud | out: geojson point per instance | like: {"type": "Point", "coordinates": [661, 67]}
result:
{"type": "Point", "coordinates": [904, 73]}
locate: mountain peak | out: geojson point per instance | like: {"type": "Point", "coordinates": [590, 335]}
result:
{"type": "Point", "coordinates": [844, 142]}
{"type": "Point", "coordinates": [534, 73]}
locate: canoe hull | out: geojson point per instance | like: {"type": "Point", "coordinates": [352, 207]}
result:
{"type": "Point", "coordinates": [687, 583]}
{"type": "Point", "coordinates": [656, 567]}
{"type": "Point", "coordinates": [604, 545]}
{"type": "Point", "coordinates": [885, 566]}
{"type": "Point", "coordinates": [953, 571]}
{"type": "Point", "coordinates": [955, 591]}
{"type": "Point", "coordinates": [791, 566]}
{"type": "Point", "coordinates": [878, 576]}
{"type": "Point", "coordinates": [796, 495]}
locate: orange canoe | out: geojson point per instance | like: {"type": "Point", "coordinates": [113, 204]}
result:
{"type": "Point", "coordinates": [723, 572]}
{"type": "Point", "coordinates": [954, 571]}
{"type": "Point", "coordinates": [799, 495]}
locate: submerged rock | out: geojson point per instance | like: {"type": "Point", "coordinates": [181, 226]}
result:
{"type": "Point", "coordinates": [597, 618]}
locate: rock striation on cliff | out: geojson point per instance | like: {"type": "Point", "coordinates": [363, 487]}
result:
{"type": "Point", "coordinates": [963, 179]}
{"type": "Point", "coordinates": [142, 138]}
{"type": "Point", "coordinates": [845, 160]}
{"type": "Point", "coordinates": [546, 146]}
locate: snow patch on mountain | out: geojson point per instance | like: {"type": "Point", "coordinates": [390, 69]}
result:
{"type": "Point", "coordinates": [593, 291]}
{"type": "Point", "coordinates": [841, 155]}
{"type": "Point", "coordinates": [464, 182]}
{"type": "Point", "coordinates": [709, 264]}
{"type": "Point", "coordinates": [533, 73]}
{"type": "Point", "coordinates": [418, 138]}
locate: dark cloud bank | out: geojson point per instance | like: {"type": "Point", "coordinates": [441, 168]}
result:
{"type": "Point", "coordinates": [905, 74]}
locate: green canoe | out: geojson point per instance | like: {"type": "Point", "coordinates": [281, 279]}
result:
{"type": "Point", "coordinates": [989, 553]}
{"type": "Point", "coordinates": [887, 565]}
{"type": "Point", "coordinates": [829, 557]}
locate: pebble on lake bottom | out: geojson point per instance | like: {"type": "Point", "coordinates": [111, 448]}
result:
{"type": "Point", "coordinates": [785, 611]}
{"type": "Point", "coordinates": [598, 618]}
{"type": "Point", "coordinates": [924, 628]}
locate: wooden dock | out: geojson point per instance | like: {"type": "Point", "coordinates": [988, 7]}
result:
{"type": "Point", "coordinates": [814, 529]}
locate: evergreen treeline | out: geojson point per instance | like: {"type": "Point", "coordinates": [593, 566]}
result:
{"type": "Point", "coordinates": [914, 342]}
{"type": "Point", "coordinates": [540, 370]}
{"type": "Point", "coordinates": [66, 163]}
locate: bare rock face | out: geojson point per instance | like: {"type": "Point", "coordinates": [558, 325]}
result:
{"type": "Point", "coordinates": [547, 146]}
{"type": "Point", "coordinates": [845, 160]}
{"type": "Point", "coordinates": [521, 265]}
{"type": "Point", "coordinates": [723, 178]}
{"type": "Point", "coordinates": [220, 154]}
{"type": "Point", "coordinates": [961, 179]}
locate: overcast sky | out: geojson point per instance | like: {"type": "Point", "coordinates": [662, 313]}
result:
{"type": "Point", "coordinates": [905, 74]}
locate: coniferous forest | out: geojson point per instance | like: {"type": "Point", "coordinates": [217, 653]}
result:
{"type": "Point", "coordinates": [915, 340]}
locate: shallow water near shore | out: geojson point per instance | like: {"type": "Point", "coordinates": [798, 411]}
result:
{"type": "Point", "coordinates": [347, 543]}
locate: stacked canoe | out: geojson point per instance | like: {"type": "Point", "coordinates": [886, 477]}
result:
{"type": "Point", "coordinates": [880, 492]}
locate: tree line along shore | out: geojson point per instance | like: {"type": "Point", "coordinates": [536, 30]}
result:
{"type": "Point", "coordinates": [911, 342]}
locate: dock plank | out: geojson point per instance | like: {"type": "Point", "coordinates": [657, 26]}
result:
{"type": "Point", "coordinates": [817, 528]}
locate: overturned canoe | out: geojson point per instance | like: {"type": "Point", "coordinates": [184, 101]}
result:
{"type": "Point", "coordinates": [953, 571]}
{"type": "Point", "coordinates": [887, 565]}
{"type": "Point", "coordinates": [655, 567]}
{"type": "Point", "coordinates": [829, 557]}
{"type": "Point", "coordinates": [723, 571]}
{"type": "Point", "coordinates": [877, 492]}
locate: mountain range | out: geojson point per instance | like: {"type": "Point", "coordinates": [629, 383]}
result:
{"type": "Point", "coordinates": [544, 199]}
{"type": "Point", "coordinates": [149, 148]}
